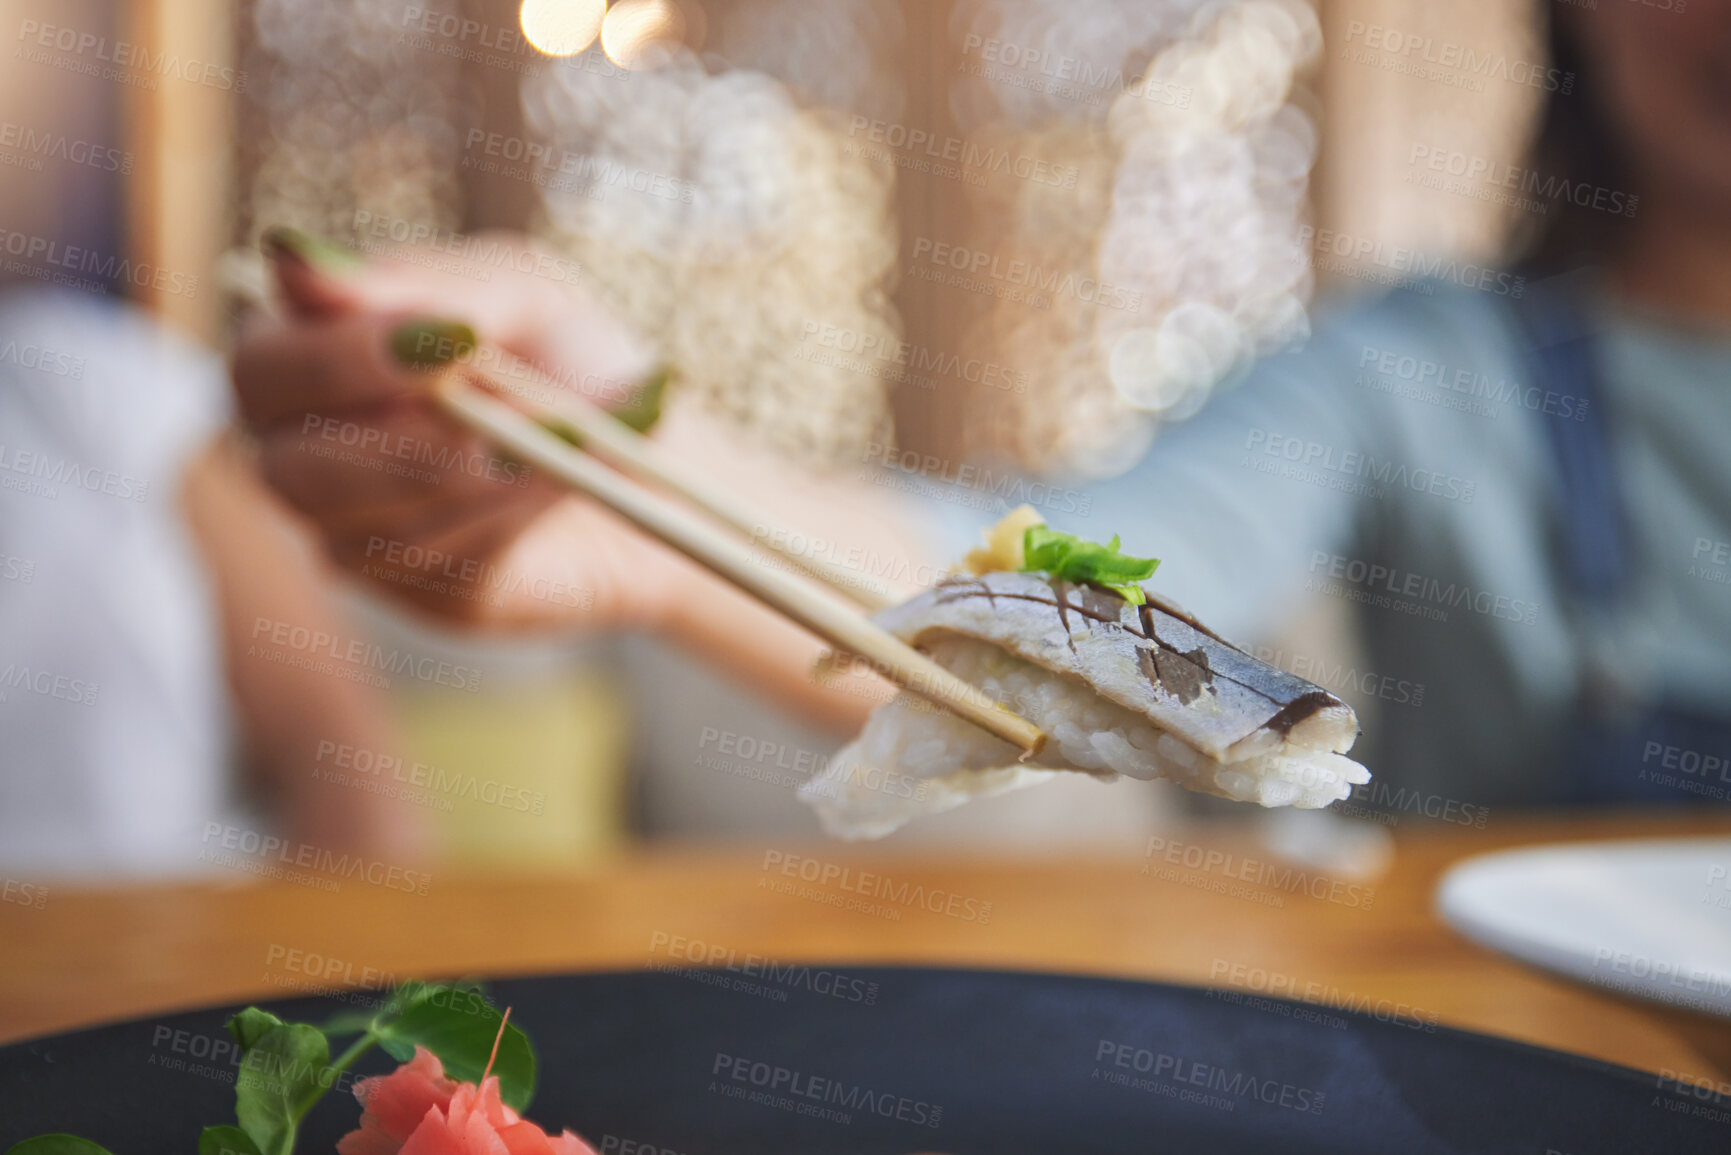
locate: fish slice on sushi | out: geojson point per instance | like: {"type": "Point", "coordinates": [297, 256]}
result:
{"type": "Point", "coordinates": [1060, 631]}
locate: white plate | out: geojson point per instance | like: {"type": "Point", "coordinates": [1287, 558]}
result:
{"type": "Point", "coordinates": [1651, 919]}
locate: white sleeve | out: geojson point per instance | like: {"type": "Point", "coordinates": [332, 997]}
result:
{"type": "Point", "coordinates": [113, 708]}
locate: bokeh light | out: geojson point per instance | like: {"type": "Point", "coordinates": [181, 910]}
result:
{"type": "Point", "coordinates": [562, 27]}
{"type": "Point", "coordinates": [634, 28]}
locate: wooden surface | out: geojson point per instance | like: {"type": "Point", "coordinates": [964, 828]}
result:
{"type": "Point", "coordinates": [92, 955]}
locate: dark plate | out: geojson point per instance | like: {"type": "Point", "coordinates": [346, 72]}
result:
{"type": "Point", "coordinates": [971, 1062]}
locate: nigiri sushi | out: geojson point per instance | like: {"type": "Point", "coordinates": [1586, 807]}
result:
{"type": "Point", "coordinates": [1124, 683]}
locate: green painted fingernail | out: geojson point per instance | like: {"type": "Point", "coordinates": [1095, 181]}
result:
{"type": "Point", "coordinates": [643, 409]}
{"type": "Point", "coordinates": [326, 256]}
{"type": "Point", "coordinates": [428, 341]}
{"type": "Point", "coordinates": [562, 429]}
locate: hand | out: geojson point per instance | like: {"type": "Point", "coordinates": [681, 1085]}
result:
{"type": "Point", "coordinates": [424, 510]}
{"type": "Point", "coordinates": [334, 389]}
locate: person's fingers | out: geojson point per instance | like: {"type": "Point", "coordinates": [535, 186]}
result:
{"type": "Point", "coordinates": [406, 516]}
{"type": "Point", "coordinates": [449, 561]}
{"type": "Point", "coordinates": [285, 370]}
{"type": "Point", "coordinates": [305, 288]}
{"type": "Point", "coordinates": [485, 527]}
{"type": "Point", "coordinates": [521, 296]}
{"type": "Point", "coordinates": [397, 453]}
{"type": "Point", "coordinates": [518, 294]}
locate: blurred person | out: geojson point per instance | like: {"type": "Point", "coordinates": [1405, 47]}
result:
{"type": "Point", "coordinates": [1568, 430]}
{"type": "Point", "coordinates": [1538, 581]}
{"type": "Point", "coordinates": [139, 553]}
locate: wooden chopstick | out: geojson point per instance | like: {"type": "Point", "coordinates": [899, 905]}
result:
{"type": "Point", "coordinates": [840, 625]}
{"type": "Point", "coordinates": [630, 452]}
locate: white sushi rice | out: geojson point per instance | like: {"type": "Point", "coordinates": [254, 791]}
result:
{"type": "Point", "coordinates": [913, 758]}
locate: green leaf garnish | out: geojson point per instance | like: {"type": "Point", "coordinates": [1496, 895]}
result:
{"type": "Point", "coordinates": [459, 1025]}
{"type": "Point", "coordinates": [285, 1068]}
{"type": "Point", "coordinates": [56, 1144]}
{"type": "Point", "coordinates": [1070, 558]}
{"type": "Point", "coordinates": [347, 1023]}
{"type": "Point", "coordinates": [226, 1140]}
{"type": "Point", "coordinates": [281, 1075]}
{"type": "Point", "coordinates": [250, 1025]}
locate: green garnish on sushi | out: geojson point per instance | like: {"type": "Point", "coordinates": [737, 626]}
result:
{"type": "Point", "coordinates": [1021, 543]}
{"type": "Point", "coordinates": [1066, 556]}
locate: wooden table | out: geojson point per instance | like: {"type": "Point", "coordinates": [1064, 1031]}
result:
{"type": "Point", "coordinates": [91, 955]}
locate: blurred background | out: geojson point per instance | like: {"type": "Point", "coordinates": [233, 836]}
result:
{"type": "Point", "coordinates": [809, 209]}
